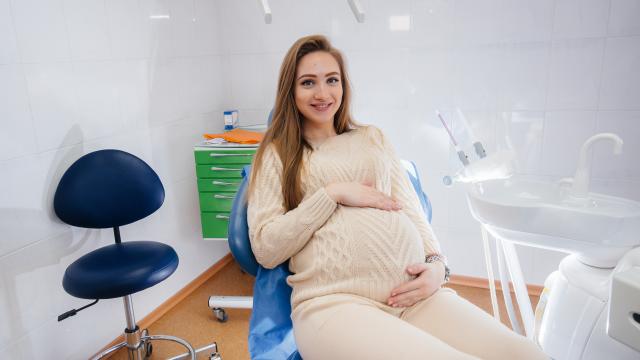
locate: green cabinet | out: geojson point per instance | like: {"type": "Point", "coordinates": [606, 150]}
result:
{"type": "Point", "coordinates": [219, 173]}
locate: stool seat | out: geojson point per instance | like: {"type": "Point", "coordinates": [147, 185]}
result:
{"type": "Point", "coordinates": [119, 270]}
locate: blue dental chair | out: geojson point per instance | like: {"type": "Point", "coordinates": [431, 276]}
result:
{"type": "Point", "coordinates": [270, 326]}
{"type": "Point", "coordinates": [110, 189]}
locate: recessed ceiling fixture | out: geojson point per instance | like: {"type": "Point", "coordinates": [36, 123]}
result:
{"type": "Point", "coordinates": [355, 6]}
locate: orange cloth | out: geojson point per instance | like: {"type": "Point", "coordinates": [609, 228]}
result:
{"type": "Point", "coordinates": [238, 136]}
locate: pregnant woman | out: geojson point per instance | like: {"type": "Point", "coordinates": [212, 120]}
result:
{"type": "Point", "coordinates": [332, 197]}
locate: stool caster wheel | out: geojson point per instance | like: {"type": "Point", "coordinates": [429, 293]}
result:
{"type": "Point", "coordinates": [220, 314]}
{"type": "Point", "coordinates": [148, 350]}
{"type": "Point", "coordinates": [148, 346]}
{"type": "Point", "coordinates": [214, 355]}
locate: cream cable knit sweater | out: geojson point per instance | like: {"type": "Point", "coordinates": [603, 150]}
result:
{"type": "Point", "coordinates": [335, 248]}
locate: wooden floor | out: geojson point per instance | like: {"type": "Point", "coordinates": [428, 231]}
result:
{"type": "Point", "coordinates": [193, 321]}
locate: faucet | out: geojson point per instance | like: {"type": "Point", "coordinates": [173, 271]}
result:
{"type": "Point", "coordinates": [583, 171]}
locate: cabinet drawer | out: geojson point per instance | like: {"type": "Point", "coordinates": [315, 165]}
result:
{"type": "Point", "coordinates": [222, 157]}
{"type": "Point", "coordinates": [214, 224]}
{"type": "Point", "coordinates": [225, 185]}
{"type": "Point", "coordinates": [219, 171]}
{"type": "Point", "coordinates": [218, 202]}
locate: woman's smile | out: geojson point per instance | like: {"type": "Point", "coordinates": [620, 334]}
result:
{"type": "Point", "coordinates": [322, 107]}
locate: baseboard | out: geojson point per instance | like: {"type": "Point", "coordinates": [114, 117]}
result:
{"type": "Point", "coordinates": [533, 290]}
{"type": "Point", "coordinates": [176, 298]}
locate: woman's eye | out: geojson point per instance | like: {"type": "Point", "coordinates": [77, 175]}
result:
{"type": "Point", "coordinates": [307, 83]}
{"type": "Point", "coordinates": [333, 80]}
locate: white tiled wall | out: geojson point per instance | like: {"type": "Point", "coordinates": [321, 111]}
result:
{"type": "Point", "coordinates": [149, 76]}
{"type": "Point", "coordinates": [78, 76]}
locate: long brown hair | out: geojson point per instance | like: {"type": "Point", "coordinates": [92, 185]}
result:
{"type": "Point", "coordinates": [285, 131]}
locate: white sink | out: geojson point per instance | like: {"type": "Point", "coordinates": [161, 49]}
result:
{"type": "Point", "coordinates": [599, 228]}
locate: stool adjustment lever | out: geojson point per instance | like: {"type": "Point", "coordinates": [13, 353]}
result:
{"type": "Point", "coordinates": [74, 311]}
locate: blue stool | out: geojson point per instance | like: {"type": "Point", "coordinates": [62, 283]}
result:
{"type": "Point", "coordinates": [109, 189]}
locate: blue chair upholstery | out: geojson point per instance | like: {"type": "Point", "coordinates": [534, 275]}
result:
{"type": "Point", "coordinates": [238, 234]}
{"type": "Point", "coordinates": [108, 189]}
{"type": "Point", "coordinates": [120, 269]}
{"type": "Point", "coordinates": [270, 326]}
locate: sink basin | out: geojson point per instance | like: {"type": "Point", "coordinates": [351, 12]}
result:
{"type": "Point", "coordinates": [599, 229]}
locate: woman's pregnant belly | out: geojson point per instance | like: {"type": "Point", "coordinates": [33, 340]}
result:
{"type": "Point", "coordinates": [383, 243]}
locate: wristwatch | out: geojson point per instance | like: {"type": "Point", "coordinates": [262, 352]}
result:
{"type": "Point", "coordinates": [438, 257]}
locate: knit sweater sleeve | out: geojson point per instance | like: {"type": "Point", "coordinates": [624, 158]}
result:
{"type": "Point", "coordinates": [277, 234]}
{"type": "Point", "coordinates": [402, 190]}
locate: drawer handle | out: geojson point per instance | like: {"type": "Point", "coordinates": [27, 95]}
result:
{"type": "Point", "coordinates": [222, 217]}
{"type": "Point", "coordinates": [218, 196]}
{"type": "Point", "coordinates": [222, 155]}
{"type": "Point", "coordinates": [216, 182]}
{"type": "Point", "coordinates": [214, 168]}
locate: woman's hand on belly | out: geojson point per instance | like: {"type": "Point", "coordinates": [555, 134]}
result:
{"type": "Point", "coordinates": [429, 278]}
{"type": "Point", "coordinates": [361, 195]}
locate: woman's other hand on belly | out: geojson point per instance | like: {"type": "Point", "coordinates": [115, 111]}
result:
{"type": "Point", "coordinates": [428, 279]}
{"type": "Point", "coordinates": [361, 195]}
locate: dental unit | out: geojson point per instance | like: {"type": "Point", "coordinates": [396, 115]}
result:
{"type": "Point", "coordinates": [496, 166]}
{"type": "Point", "coordinates": [589, 309]}
{"type": "Point", "coordinates": [464, 159]}
{"type": "Point", "coordinates": [580, 186]}
{"type": "Point", "coordinates": [477, 145]}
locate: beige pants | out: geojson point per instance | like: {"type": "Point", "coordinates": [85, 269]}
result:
{"type": "Point", "coordinates": [444, 326]}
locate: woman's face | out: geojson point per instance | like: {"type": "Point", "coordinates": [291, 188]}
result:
{"type": "Point", "coordinates": [318, 88]}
